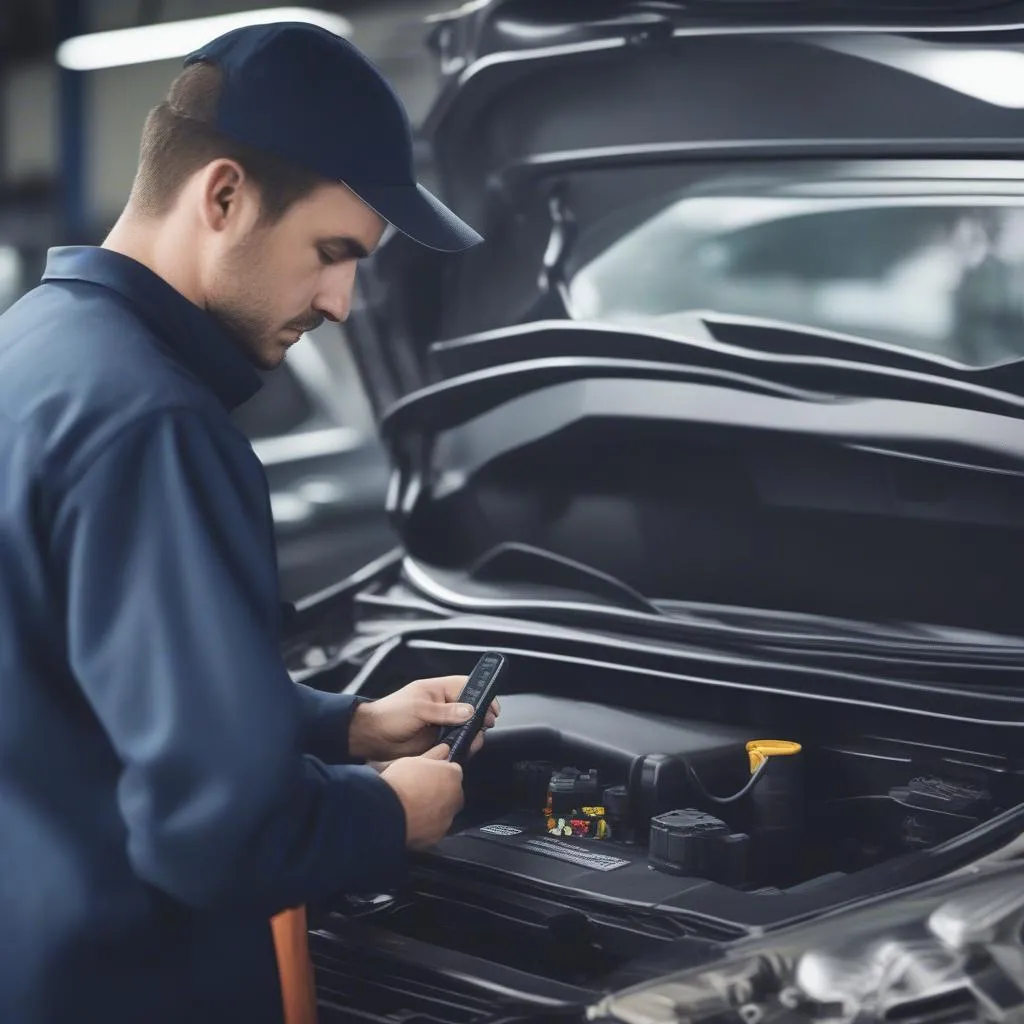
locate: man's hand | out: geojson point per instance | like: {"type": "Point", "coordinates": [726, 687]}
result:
{"type": "Point", "coordinates": [405, 723]}
{"type": "Point", "coordinates": [430, 789]}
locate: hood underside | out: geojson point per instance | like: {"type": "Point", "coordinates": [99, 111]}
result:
{"type": "Point", "coordinates": [878, 494]}
{"type": "Point", "coordinates": [536, 86]}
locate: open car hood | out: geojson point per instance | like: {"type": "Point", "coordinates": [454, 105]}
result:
{"type": "Point", "coordinates": [736, 461]}
{"type": "Point", "coordinates": [536, 94]}
{"type": "Point", "coordinates": [728, 468]}
{"type": "Point", "coordinates": [534, 85]}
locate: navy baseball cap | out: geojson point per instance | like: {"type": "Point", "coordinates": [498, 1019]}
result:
{"type": "Point", "coordinates": [311, 98]}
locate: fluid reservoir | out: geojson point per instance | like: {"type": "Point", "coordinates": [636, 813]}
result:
{"type": "Point", "coordinates": [777, 805]}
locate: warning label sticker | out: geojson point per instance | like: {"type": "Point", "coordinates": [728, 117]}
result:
{"type": "Point", "coordinates": [584, 856]}
{"type": "Point", "coordinates": [502, 830]}
{"type": "Point", "coordinates": [561, 850]}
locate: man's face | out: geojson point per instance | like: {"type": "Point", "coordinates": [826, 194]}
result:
{"type": "Point", "coordinates": [272, 282]}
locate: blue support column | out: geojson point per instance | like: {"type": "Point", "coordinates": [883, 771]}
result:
{"type": "Point", "coordinates": [74, 216]}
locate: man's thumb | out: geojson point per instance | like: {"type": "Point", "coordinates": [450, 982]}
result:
{"type": "Point", "coordinates": [438, 753]}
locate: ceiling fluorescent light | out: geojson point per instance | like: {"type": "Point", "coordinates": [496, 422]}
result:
{"type": "Point", "coordinates": [167, 40]}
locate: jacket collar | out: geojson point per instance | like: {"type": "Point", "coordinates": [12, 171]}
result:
{"type": "Point", "coordinates": [192, 336]}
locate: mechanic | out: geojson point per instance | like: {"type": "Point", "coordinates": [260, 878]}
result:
{"type": "Point", "coordinates": [165, 788]}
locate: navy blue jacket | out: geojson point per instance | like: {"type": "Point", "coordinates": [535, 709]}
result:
{"type": "Point", "coordinates": [164, 786]}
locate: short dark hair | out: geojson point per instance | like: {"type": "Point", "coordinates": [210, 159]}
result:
{"type": "Point", "coordinates": [179, 138]}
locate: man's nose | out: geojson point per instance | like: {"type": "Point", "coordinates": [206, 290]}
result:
{"type": "Point", "coordinates": [335, 298]}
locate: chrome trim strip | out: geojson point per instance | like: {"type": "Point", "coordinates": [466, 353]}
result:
{"type": "Point", "coordinates": [309, 444]}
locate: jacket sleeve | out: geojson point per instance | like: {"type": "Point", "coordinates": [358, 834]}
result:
{"type": "Point", "coordinates": [172, 631]}
{"type": "Point", "coordinates": [326, 719]}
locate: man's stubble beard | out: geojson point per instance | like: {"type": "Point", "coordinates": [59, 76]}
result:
{"type": "Point", "coordinates": [237, 301]}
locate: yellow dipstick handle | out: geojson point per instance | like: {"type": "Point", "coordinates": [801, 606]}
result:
{"type": "Point", "coordinates": [760, 750]}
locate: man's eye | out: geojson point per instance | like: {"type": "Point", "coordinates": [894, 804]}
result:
{"type": "Point", "coordinates": [327, 258]}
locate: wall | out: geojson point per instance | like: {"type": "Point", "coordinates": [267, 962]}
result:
{"type": "Point", "coordinates": [28, 117]}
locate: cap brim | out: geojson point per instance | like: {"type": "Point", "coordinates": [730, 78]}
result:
{"type": "Point", "coordinates": [413, 211]}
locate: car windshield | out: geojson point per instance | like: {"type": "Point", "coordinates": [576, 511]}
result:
{"type": "Point", "coordinates": [936, 273]}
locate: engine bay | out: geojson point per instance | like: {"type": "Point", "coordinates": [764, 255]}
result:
{"type": "Point", "coordinates": [599, 844]}
{"type": "Point", "coordinates": [590, 797]}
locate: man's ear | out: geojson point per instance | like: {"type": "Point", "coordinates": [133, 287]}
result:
{"type": "Point", "coordinates": [221, 193]}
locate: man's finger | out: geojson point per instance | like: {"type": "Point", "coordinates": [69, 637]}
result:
{"type": "Point", "coordinates": [446, 688]}
{"type": "Point", "coordinates": [476, 744]}
{"type": "Point", "coordinates": [444, 714]}
{"type": "Point", "coordinates": [438, 753]}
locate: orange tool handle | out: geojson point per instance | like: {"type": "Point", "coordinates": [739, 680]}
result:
{"type": "Point", "coordinates": [295, 969]}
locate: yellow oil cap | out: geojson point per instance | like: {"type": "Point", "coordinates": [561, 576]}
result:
{"type": "Point", "coordinates": [760, 750]}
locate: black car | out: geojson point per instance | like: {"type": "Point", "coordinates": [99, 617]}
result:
{"type": "Point", "coordinates": [754, 553]}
